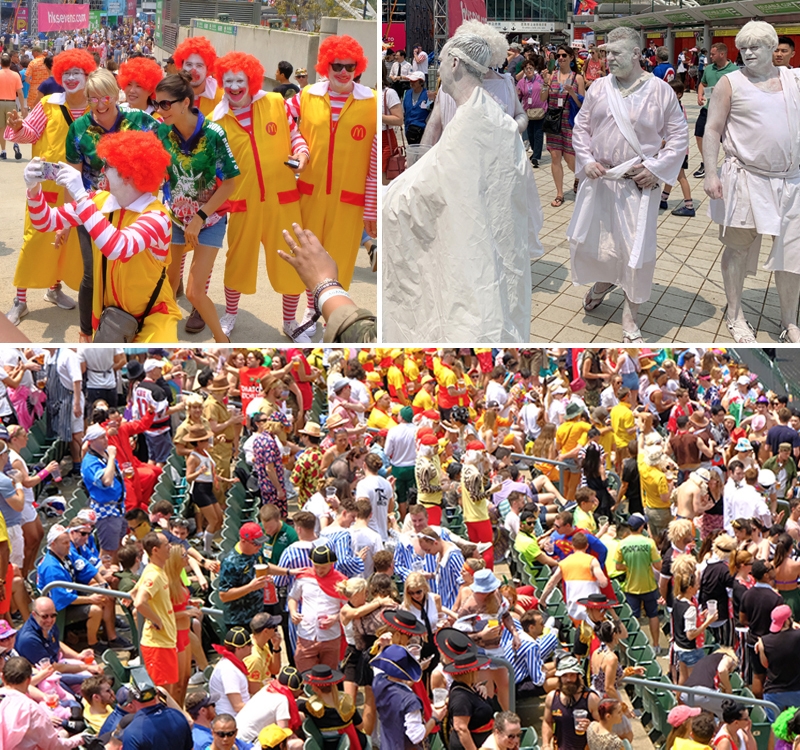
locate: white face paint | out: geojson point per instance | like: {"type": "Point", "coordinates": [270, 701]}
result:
{"type": "Point", "coordinates": [73, 80]}
{"type": "Point", "coordinates": [195, 66]}
{"type": "Point", "coordinates": [121, 189]}
{"type": "Point", "coordinates": [237, 88]}
{"type": "Point", "coordinates": [621, 58]}
{"type": "Point", "coordinates": [757, 57]}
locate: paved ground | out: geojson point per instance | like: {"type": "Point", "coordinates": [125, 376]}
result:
{"type": "Point", "coordinates": [688, 300]}
{"type": "Point", "coordinates": [259, 317]}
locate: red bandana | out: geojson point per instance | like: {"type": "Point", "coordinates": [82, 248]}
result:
{"type": "Point", "coordinates": [328, 583]}
{"type": "Point", "coordinates": [295, 723]}
{"type": "Point", "coordinates": [235, 660]}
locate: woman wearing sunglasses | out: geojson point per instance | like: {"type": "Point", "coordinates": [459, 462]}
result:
{"type": "Point", "coordinates": [338, 191]}
{"type": "Point", "coordinates": [104, 116]}
{"type": "Point", "coordinates": [263, 136]}
{"type": "Point", "coordinates": [200, 183]}
{"type": "Point", "coordinates": [566, 86]}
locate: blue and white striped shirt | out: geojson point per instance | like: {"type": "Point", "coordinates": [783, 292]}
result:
{"type": "Point", "coordinates": [528, 660]}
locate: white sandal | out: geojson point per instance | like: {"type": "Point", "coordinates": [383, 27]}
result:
{"type": "Point", "coordinates": [742, 332]}
{"type": "Point", "coordinates": [592, 299]}
{"type": "Point", "coordinates": [632, 337]}
{"type": "Point", "coordinates": [790, 334]}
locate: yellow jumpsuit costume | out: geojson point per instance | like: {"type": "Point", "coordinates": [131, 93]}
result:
{"type": "Point", "coordinates": [130, 284]}
{"type": "Point", "coordinates": [266, 200]}
{"type": "Point", "coordinates": [208, 104]}
{"type": "Point", "coordinates": [333, 186]}
{"type": "Point", "coordinates": [40, 264]}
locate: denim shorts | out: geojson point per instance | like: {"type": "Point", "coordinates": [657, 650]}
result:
{"type": "Point", "coordinates": [212, 236]}
{"type": "Point", "coordinates": [649, 601]}
{"type": "Point", "coordinates": [689, 658]}
{"type": "Point", "coordinates": [630, 380]}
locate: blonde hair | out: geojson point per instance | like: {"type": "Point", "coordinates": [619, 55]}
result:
{"type": "Point", "coordinates": [194, 400]}
{"type": "Point", "coordinates": [724, 545]}
{"type": "Point", "coordinates": [415, 580]}
{"type": "Point", "coordinates": [173, 568]}
{"type": "Point", "coordinates": [680, 528]}
{"type": "Point", "coordinates": [684, 573]}
{"type": "Point", "coordinates": [352, 586]}
{"type": "Point", "coordinates": [102, 83]}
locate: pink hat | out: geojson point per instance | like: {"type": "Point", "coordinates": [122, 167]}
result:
{"type": "Point", "coordinates": [779, 617]}
{"type": "Point", "coordinates": [6, 631]}
{"type": "Point", "coordinates": [681, 713]}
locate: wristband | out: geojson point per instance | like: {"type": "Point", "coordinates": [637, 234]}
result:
{"type": "Point", "coordinates": [322, 284]}
{"type": "Point", "coordinates": [20, 486]}
{"type": "Point", "coordinates": [42, 474]}
{"type": "Point", "coordinates": [329, 294]}
{"type": "Point", "coordinates": [320, 289]}
{"type": "Point", "coordinates": [202, 214]}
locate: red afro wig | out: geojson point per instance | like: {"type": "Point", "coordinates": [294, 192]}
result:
{"type": "Point", "coordinates": [341, 48]}
{"type": "Point", "coordinates": [235, 62]}
{"type": "Point", "coordinates": [195, 45]}
{"type": "Point", "coordinates": [72, 58]}
{"type": "Point", "coordinates": [138, 157]}
{"type": "Point", "coordinates": [147, 73]}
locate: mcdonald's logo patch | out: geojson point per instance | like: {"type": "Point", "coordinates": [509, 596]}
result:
{"type": "Point", "coordinates": [359, 132]}
{"type": "Point", "coordinates": [272, 128]}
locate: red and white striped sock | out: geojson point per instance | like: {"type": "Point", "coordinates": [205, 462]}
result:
{"type": "Point", "coordinates": [231, 301]}
{"type": "Point", "coordinates": [310, 300]}
{"type": "Point", "coordinates": [183, 265]}
{"type": "Point", "coordinates": [208, 280]}
{"type": "Point", "coordinates": [55, 286]}
{"type": "Point", "coordinates": [290, 307]}
{"type": "Point", "coordinates": [22, 296]}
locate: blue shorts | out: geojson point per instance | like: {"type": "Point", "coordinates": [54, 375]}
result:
{"type": "Point", "coordinates": [212, 236]}
{"type": "Point", "coordinates": [630, 380]}
{"type": "Point", "coordinates": [648, 600]}
{"type": "Point", "coordinates": [689, 658]}
{"type": "Point", "coordinates": [159, 447]}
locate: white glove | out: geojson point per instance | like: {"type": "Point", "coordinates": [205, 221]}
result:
{"type": "Point", "coordinates": [32, 174]}
{"type": "Point", "coordinates": [70, 178]}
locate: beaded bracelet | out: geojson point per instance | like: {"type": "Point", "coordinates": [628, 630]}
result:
{"type": "Point", "coordinates": [322, 285]}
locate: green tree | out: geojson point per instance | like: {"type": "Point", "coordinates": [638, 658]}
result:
{"type": "Point", "coordinates": [309, 12]}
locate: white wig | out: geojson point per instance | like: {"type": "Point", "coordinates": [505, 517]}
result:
{"type": "Point", "coordinates": [498, 44]}
{"type": "Point", "coordinates": [625, 34]}
{"type": "Point", "coordinates": [472, 50]}
{"type": "Point", "coordinates": [757, 33]}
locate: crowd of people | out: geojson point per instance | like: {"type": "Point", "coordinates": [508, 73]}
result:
{"type": "Point", "coordinates": [391, 499]}
{"type": "Point", "coordinates": [614, 114]}
{"type": "Point", "coordinates": [230, 160]}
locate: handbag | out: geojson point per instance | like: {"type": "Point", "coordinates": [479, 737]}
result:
{"type": "Point", "coordinates": [396, 163]}
{"type": "Point", "coordinates": [117, 326]}
{"type": "Point", "coordinates": [537, 113]}
{"type": "Point", "coordinates": [552, 120]}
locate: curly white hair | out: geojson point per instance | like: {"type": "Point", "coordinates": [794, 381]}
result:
{"type": "Point", "coordinates": [498, 44]}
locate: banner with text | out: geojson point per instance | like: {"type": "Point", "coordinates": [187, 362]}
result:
{"type": "Point", "coordinates": [465, 10]}
{"type": "Point", "coordinates": [130, 10]}
{"type": "Point", "coordinates": [63, 17]}
{"type": "Point", "coordinates": [21, 23]}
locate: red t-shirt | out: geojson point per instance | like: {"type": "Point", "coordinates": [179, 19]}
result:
{"type": "Point", "coordinates": [250, 383]}
{"type": "Point", "coordinates": [306, 390]}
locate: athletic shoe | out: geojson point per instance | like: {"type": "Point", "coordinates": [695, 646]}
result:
{"type": "Point", "coordinates": [307, 315]}
{"type": "Point", "coordinates": [483, 546]}
{"type": "Point", "coordinates": [790, 335]}
{"type": "Point", "coordinates": [198, 678]}
{"type": "Point", "coordinates": [121, 643]}
{"type": "Point", "coordinates": [700, 171]}
{"type": "Point", "coordinates": [195, 322]}
{"type": "Point", "coordinates": [683, 211]}
{"type": "Point", "coordinates": [663, 206]}
{"type": "Point", "coordinates": [99, 649]}
{"type": "Point", "coordinates": [3, 155]}
{"type": "Point", "coordinates": [57, 297]}
{"type": "Point", "coordinates": [289, 328]}
{"type": "Point", "coordinates": [17, 312]}
{"type": "Point", "coordinates": [17, 152]}
{"type": "Point", "coordinates": [227, 322]}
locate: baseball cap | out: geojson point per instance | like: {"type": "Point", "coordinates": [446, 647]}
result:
{"type": "Point", "coordinates": [152, 364]}
{"type": "Point", "coordinates": [636, 521]}
{"type": "Point", "coordinates": [272, 735]}
{"type": "Point", "coordinates": [743, 380]}
{"type": "Point", "coordinates": [251, 532]}
{"type": "Point", "coordinates": [93, 433]}
{"type": "Point", "coordinates": [416, 75]}
{"type": "Point", "coordinates": [680, 714]}
{"type": "Point", "coordinates": [780, 615]}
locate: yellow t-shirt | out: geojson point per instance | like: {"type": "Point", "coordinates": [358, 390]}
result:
{"type": "Point", "coordinates": [606, 441]}
{"type": "Point", "coordinates": [410, 369]}
{"type": "Point", "coordinates": [622, 420]}
{"type": "Point", "coordinates": [583, 520]}
{"type": "Point", "coordinates": [423, 400]}
{"type": "Point", "coordinates": [154, 581]}
{"type": "Point", "coordinates": [653, 484]}
{"type": "Point", "coordinates": [569, 434]}
{"type": "Point", "coordinates": [380, 420]}
{"type": "Point", "coordinates": [473, 498]}
{"type": "Point", "coordinates": [396, 382]}
{"type": "Point", "coordinates": [95, 721]}
{"type": "Point", "coordinates": [258, 663]}
{"type": "Point", "coordinates": [4, 531]}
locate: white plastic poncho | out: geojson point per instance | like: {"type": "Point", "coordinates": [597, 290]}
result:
{"type": "Point", "coordinates": [603, 229]}
{"type": "Point", "coordinates": [460, 228]}
{"type": "Point", "coordinates": [761, 173]}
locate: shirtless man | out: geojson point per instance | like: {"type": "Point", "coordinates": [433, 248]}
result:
{"type": "Point", "coordinates": [693, 499]}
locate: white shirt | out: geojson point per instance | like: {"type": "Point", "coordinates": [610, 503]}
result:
{"type": "Point", "coordinates": [730, 489]}
{"type": "Point", "coordinates": [69, 368]}
{"type": "Point", "coordinates": [529, 416]}
{"type": "Point", "coordinates": [379, 492]}
{"type": "Point", "coordinates": [608, 398]}
{"type": "Point", "coordinates": [511, 523]}
{"type": "Point", "coordinates": [420, 62]}
{"type": "Point", "coordinates": [363, 536]}
{"type": "Point", "coordinates": [747, 502]}
{"type": "Point", "coordinates": [10, 358]}
{"type": "Point", "coordinates": [557, 411]}
{"type": "Point", "coordinates": [317, 505]}
{"type": "Point", "coordinates": [99, 361]}
{"type": "Point", "coordinates": [496, 392]}
{"type": "Point", "coordinates": [316, 604]}
{"type": "Point", "coordinates": [262, 709]}
{"type": "Point", "coordinates": [227, 678]}
{"type": "Point", "coordinates": [401, 444]}
{"type": "Point", "coordinates": [359, 393]}
{"type": "Point", "coordinates": [390, 98]}
{"type": "Point", "coordinates": [400, 69]}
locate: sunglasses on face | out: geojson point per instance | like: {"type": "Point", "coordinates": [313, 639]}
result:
{"type": "Point", "coordinates": [226, 734]}
{"type": "Point", "coordinates": [417, 592]}
{"type": "Point", "coordinates": [82, 533]}
{"type": "Point", "coordinates": [48, 617]}
{"type": "Point", "coordinates": [337, 67]}
{"type": "Point", "coordinates": [99, 99]}
{"type": "Point", "coordinates": [563, 55]}
{"type": "Point", "coordinates": [166, 104]}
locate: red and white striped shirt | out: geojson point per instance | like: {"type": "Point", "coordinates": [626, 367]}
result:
{"type": "Point", "coordinates": [151, 231]}
{"type": "Point", "coordinates": [371, 187]}
{"type": "Point", "coordinates": [34, 124]}
{"type": "Point", "coordinates": [245, 119]}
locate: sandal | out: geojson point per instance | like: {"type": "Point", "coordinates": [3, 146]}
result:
{"type": "Point", "coordinates": [790, 334]}
{"type": "Point", "coordinates": [575, 185]}
{"type": "Point", "coordinates": [592, 299]}
{"type": "Point", "coordinates": [741, 331]}
{"type": "Point", "coordinates": [559, 201]}
{"type": "Point", "coordinates": [632, 337]}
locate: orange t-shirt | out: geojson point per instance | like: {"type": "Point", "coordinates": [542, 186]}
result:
{"type": "Point", "coordinates": [10, 83]}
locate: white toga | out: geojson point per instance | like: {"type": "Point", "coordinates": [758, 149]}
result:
{"type": "Point", "coordinates": [603, 226]}
{"type": "Point", "coordinates": [460, 228]}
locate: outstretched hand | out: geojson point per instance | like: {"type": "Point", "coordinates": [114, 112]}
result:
{"type": "Point", "coordinates": [309, 259]}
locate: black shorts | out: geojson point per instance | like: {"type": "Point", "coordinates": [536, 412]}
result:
{"type": "Point", "coordinates": [203, 494]}
{"type": "Point", "coordinates": [685, 165]}
{"type": "Point", "coordinates": [355, 666]}
{"type": "Point", "coordinates": [755, 663]}
{"type": "Point", "coordinates": [700, 125]}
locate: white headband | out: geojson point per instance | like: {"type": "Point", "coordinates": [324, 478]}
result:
{"type": "Point", "coordinates": [461, 55]}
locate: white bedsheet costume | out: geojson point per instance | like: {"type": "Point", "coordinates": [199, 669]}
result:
{"type": "Point", "coordinates": [761, 176]}
{"type": "Point", "coordinates": [460, 228]}
{"type": "Point", "coordinates": [613, 228]}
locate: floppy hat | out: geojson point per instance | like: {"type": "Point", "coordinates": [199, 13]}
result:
{"type": "Point", "coordinates": [197, 433]}
{"type": "Point", "coordinates": [311, 428]}
{"type": "Point", "coordinates": [743, 444]}
{"type": "Point", "coordinates": [218, 384]}
{"type": "Point", "coordinates": [340, 384]}
{"type": "Point", "coordinates": [484, 582]}
{"type": "Point", "coordinates": [568, 665]}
